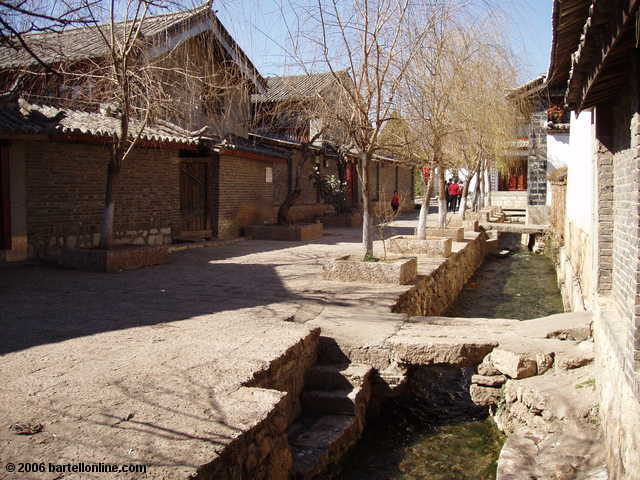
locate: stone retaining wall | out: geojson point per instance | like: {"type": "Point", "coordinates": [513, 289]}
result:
{"type": "Point", "coordinates": [263, 453]}
{"type": "Point", "coordinates": [434, 293]}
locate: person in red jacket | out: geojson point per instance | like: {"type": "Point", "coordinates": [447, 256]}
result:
{"type": "Point", "coordinates": [395, 202]}
{"type": "Point", "coordinates": [453, 190]}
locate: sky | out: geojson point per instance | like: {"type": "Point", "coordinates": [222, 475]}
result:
{"type": "Point", "coordinates": [260, 28]}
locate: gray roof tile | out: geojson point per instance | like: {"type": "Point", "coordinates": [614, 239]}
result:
{"type": "Point", "coordinates": [296, 87]}
{"type": "Point", "coordinates": [27, 118]}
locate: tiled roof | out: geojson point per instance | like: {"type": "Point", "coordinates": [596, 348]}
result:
{"type": "Point", "coordinates": [86, 42]}
{"type": "Point", "coordinates": [297, 87]}
{"type": "Point", "coordinates": [568, 19]}
{"type": "Point", "coordinates": [26, 118]}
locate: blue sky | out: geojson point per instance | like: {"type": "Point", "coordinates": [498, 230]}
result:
{"type": "Point", "coordinates": [259, 27]}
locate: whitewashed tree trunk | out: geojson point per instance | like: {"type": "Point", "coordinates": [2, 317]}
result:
{"type": "Point", "coordinates": [488, 185]}
{"type": "Point", "coordinates": [442, 199]}
{"type": "Point", "coordinates": [465, 194]}
{"type": "Point", "coordinates": [367, 237]}
{"type": "Point", "coordinates": [421, 231]}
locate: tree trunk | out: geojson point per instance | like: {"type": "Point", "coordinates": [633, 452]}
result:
{"type": "Point", "coordinates": [367, 237]}
{"type": "Point", "coordinates": [465, 194]}
{"type": "Point", "coordinates": [442, 199]}
{"type": "Point", "coordinates": [289, 201]}
{"type": "Point", "coordinates": [481, 188]}
{"type": "Point", "coordinates": [487, 185]}
{"type": "Point", "coordinates": [421, 232]}
{"type": "Point", "coordinates": [106, 227]}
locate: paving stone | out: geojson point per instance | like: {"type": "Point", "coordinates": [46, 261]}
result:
{"type": "Point", "coordinates": [485, 396]}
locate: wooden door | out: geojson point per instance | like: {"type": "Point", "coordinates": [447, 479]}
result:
{"type": "Point", "coordinates": [194, 199]}
{"type": "Point", "coordinates": [5, 197]}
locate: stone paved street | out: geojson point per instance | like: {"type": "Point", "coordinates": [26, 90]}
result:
{"type": "Point", "coordinates": [170, 345]}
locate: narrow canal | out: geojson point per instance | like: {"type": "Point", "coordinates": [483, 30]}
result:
{"type": "Point", "coordinates": [435, 432]}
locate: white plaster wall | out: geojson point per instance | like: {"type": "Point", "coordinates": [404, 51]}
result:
{"type": "Point", "coordinates": [558, 155]}
{"type": "Point", "coordinates": [580, 174]}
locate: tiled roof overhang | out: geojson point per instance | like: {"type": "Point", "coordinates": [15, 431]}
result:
{"type": "Point", "coordinates": [600, 65]}
{"type": "Point", "coordinates": [568, 19]}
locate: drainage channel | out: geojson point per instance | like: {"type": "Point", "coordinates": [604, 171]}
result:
{"type": "Point", "coordinates": [434, 431]}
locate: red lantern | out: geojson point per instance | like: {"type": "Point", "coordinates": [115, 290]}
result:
{"type": "Point", "coordinates": [426, 173]}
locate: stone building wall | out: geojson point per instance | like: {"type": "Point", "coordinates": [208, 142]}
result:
{"type": "Point", "coordinates": [65, 185]}
{"type": "Point", "coordinates": [244, 195]}
{"type": "Point", "coordinates": [617, 319]}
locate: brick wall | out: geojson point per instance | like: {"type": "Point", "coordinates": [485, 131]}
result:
{"type": "Point", "coordinates": [65, 195]}
{"type": "Point", "coordinates": [604, 201]}
{"type": "Point", "coordinates": [626, 238]}
{"type": "Point", "coordinates": [244, 196]}
{"type": "Point", "coordinates": [392, 178]}
{"type": "Point", "coordinates": [309, 205]}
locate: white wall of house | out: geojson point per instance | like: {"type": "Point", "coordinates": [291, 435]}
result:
{"type": "Point", "coordinates": [576, 257]}
{"type": "Point", "coordinates": [558, 155]}
{"type": "Point", "coordinates": [580, 171]}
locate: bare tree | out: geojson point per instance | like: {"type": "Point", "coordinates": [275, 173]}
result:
{"type": "Point", "coordinates": [139, 78]}
{"type": "Point", "coordinates": [21, 18]}
{"type": "Point", "coordinates": [454, 101]}
{"type": "Point", "coordinates": [369, 38]}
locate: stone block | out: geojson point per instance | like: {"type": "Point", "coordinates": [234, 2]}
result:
{"type": "Point", "coordinates": [471, 225]}
{"type": "Point", "coordinates": [489, 380]}
{"type": "Point", "coordinates": [514, 364]}
{"type": "Point", "coordinates": [537, 215]}
{"type": "Point", "coordinates": [455, 234]}
{"type": "Point", "coordinates": [487, 368]}
{"type": "Point", "coordinates": [544, 362]}
{"type": "Point", "coordinates": [398, 271]}
{"type": "Point", "coordinates": [485, 396]}
{"type": "Point", "coordinates": [432, 246]}
{"type": "Point", "coordinates": [579, 357]}
{"type": "Point", "coordinates": [353, 220]}
{"type": "Point", "coordinates": [289, 233]}
{"type": "Point", "coordinates": [115, 260]}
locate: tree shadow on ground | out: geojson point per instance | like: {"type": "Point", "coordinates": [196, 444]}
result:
{"type": "Point", "coordinates": [173, 424]}
{"type": "Point", "coordinates": [41, 305]}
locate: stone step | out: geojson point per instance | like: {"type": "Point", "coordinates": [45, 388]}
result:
{"type": "Point", "coordinates": [337, 377]}
{"type": "Point", "coordinates": [318, 442]}
{"type": "Point", "coordinates": [339, 402]}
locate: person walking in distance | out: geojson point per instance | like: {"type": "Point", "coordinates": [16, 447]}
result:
{"type": "Point", "coordinates": [453, 190]}
{"type": "Point", "coordinates": [395, 202]}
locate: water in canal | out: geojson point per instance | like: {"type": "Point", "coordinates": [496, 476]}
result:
{"type": "Point", "coordinates": [435, 432]}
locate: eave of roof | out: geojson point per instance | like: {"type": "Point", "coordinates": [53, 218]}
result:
{"type": "Point", "coordinates": [568, 19]}
{"type": "Point", "coordinates": [25, 119]}
{"type": "Point", "coordinates": [529, 88]}
{"type": "Point", "coordinates": [600, 63]}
